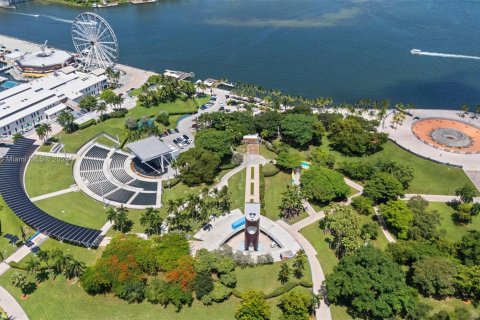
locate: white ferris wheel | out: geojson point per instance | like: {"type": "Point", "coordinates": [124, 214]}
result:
{"type": "Point", "coordinates": [95, 41]}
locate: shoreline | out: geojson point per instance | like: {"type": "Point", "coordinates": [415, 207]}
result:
{"type": "Point", "coordinates": [134, 76]}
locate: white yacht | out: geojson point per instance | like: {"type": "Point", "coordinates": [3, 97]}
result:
{"type": "Point", "coordinates": [415, 51]}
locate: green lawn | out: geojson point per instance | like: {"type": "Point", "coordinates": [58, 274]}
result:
{"type": "Point", "coordinates": [236, 187]}
{"type": "Point", "coordinates": [76, 208]}
{"type": "Point", "coordinates": [48, 174]}
{"type": "Point", "coordinates": [79, 253]}
{"type": "Point", "coordinates": [116, 126]}
{"type": "Point", "coordinates": [59, 300]}
{"type": "Point", "coordinates": [328, 260]}
{"type": "Point", "coordinates": [274, 186]}
{"type": "Point", "coordinates": [177, 107]}
{"type": "Point", "coordinates": [56, 299]}
{"type": "Point", "coordinates": [325, 255]}
{"type": "Point", "coordinates": [106, 142]}
{"type": "Point", "coordinates": [265, 278]}
{"type": "Point", "coordinates": [449, 305]}
{"type": "Point", "coordinates": [429, 177]}
{"type": "Point", "coordinates": [452, 231]}
{"type": "Point", "coordinates": [10, 224]}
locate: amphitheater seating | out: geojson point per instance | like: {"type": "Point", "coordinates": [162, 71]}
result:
{"type": "Point", "coordinates": [145, 199]}
{"type": "Point", "coordinates": [97, 152]}
{"type": "Point", "coordinates": [147, 186]}
{"type": "Point", "coordinates": [116, 188]}
{"type": "Point", "coordinates": [90, 165]}
{"type": "Point", "coordinates": [16, 199]}
{"type": "Point", "coordinates": [122, 175]}
{"type": "Point", "coordinates": [118, 161]}
{"type": "Point", "coordinates": [102, 188]}
{"type": "Point", "coordinates": [120, 195]}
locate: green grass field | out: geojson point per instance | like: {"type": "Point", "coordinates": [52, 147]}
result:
{"type": "Point", "coordinates": [177, 107]}
{"type": "Point", "coordinates": [429, 177]}
{"type": "Point", "coordinates": [48, 174]}
{"type": "Point", "coordinates": [76, 208]}
{"type": "Point", "coordinates": [236, 187]}
{"type": "Point", "coordinates": [325, 255]}
{"type": "Point", "coordinates": [449, 305]}
{"type": "Point", "coordinates": [10, 224]}
{"type": "Point", "coordinates": [59, 299]}
{"type": "Point", "coordinates": [453, 231]}
{"type": "Point", "coordinates": [116, 126]}
{"type": "Point", "coordinates": [274, 186]}
{"type": "Point", "coordinates": [106, 142]}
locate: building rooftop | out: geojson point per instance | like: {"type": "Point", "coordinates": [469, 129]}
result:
{"type": "Point", "coordinates": [149, 148]}
{"type": "Point", "coordinates": [44, 59]}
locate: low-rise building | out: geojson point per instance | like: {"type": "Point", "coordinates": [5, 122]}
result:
{"type": "Point", "coordinates": [27, 104]}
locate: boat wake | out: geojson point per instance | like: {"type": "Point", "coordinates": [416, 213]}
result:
{"type": "Point", "coordinates": [445, 55]}
{"type": "Point", "coordinates": [57, 18]}
{"type": "Point", "coordinates": [26, 14]}
{"type": "Point", "coordinates": [44, 16]}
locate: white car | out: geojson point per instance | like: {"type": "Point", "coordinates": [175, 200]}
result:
{"type": "Point", "coordinates": [273, 244]}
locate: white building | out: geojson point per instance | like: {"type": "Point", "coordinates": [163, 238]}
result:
{"type": "Point", "coordinates": [41, 100]}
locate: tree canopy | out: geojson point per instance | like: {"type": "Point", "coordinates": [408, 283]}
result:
{"type": "Point", "coordinates": [435, 276]}
{"type": "Point", "coordinates": [383, 187]}
{"type": "Point", "coordinates": [253, 306]}
{"type": "Point", "coordinates": [323, 185]}
{"type": "Point", "coordinates": [198, 166]}
{"type": "Point", "coordinates": [288, 159]}
{"type": "Point", "coordinates": [398, 217]}
{"type": "Point", "coordinates": [219, 142]}
{"type": "Point", "coordinates": [301, 130]}
{"type": "Point", "coordinates": [370, 285]}
{"type": "Point", "coordinates": [350, 137]}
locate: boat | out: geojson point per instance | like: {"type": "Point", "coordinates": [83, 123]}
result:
{"type": "Point", "coordinates": [415, 51]}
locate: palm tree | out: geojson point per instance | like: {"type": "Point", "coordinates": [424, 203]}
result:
{"type": "Point", "coordinates": [44, 255]}
{"type": "Point", "coordinates": [66, 120]}
{"type": "Point", "coordinates": [101, 107]}
{"type": "Point", "coordinates": [111, 214]}
{"type": "Point", "coordinates": [224, 202]}
{"type": "Point", "coordinates": [152, 221]}
{"type": "Point", "coordinates": [74, 269]}
{"type": "Point", "coordinates": [32, 266]}
{"type": "Point", "coordinates": [60, 260]}
{"type": "Point", "coordinates": [40, 130]}
{"type": "Point", "coordinates": [122, 218]}
{"type": "Point", "coordinates": [48, 129]}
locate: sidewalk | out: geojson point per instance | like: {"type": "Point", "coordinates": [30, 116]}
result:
{"type": "Point", "coordinates": [11, 306]}
{"type": "Point", "coordinates": [323, 312]}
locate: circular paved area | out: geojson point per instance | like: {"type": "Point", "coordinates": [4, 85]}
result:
{"type": "Point", "coordinates": [448, 135]}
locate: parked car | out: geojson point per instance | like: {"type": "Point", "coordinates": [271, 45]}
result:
{"type": "Point", "coordinates": [207, 227]}
{"type": "Point", "coordinates": [170, 131]}
{"type": "Point", "coordinates": [273, 244]}
{"type": "Point", "coordinates": [165, 133]}
{"type": "Point", "coordinates": [176, 130]}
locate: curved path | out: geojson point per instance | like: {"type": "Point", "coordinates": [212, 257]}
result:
{"type": "Point", "coordinates": [323, 312]}
{"type": "Point", "coordinates": [11, 306]}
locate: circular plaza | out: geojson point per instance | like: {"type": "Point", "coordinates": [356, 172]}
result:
{"type": "Point", "coordinates": [448, 135]}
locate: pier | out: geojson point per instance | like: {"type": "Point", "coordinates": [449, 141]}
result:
{"type": "Point", "coordinates": [6, 68]}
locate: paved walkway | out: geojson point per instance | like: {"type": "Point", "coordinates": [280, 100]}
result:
{"type": "Point", "coordinates": [403, 136]}
{"type": "Point", "coordinates": [70, 156]}
{"type": "Point", "coordinates": [56, 193]}
{"type": "Point", "coordinates": [323, 312]}
{"type": "Point", "coordinates": [11, 306]}
{"type": "Point", "coordinates": [437, 197]}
